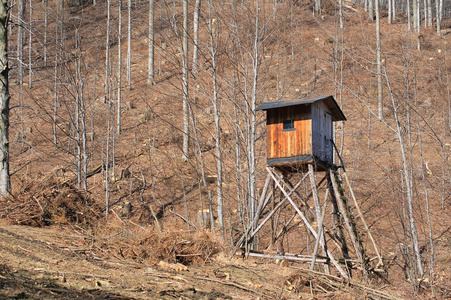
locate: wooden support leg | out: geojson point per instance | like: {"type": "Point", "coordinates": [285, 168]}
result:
{"type": "Point", "coordinates": [338, 222]}
{"type": "Point", "coordinates": [350, 226]}
{"type": "Point", "coordinates": [246, 237]}
{"type": "Point", "coordinates": [319, 216]}
{"type": "Point", "coordinates": [320, 235]}
{"type": "Point", "coordinates": [276, 208]}
{"type": "Point", "coordinates": [278, 181]}
{"type": "Point", "coordinates": [381, 263]}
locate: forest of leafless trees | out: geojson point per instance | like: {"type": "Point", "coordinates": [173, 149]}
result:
{"type": "Point", "coordinates": [151, 104]}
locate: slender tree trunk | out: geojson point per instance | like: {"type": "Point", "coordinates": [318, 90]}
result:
{"type": "Point", "coordinates": [241, 205]}
{"type": "Point", "coordinates": [389, 18]}
{"type": "Point", "coordinates": [150, 68]}
{"type": "Point", "coordinates": [409, 21]}
{"type": "Point", "coordinates": [416, 17]}
{"type": "Point", "coordinates": [213, 48]}
{"type": "Point", "coordinates": [55, 102]}
{"type": "Point", "coordinates": [202, 169]}
{"type": "Point", "coordinates": [119, 67]}
{"type": "Point", "coordinates": [370, 10]}
{"type": "Point", "coordinates": [253, 125]}
{"type": "Point", "coordinates": [107, 47]}
{"type": "Point", "coordinates": [30, 40]}
{"type": "Point", "coordinates": [318, 6]}
{"type": "Point", "coordinates": [20, 63]}
{"type": "Point", "coordinates": [196, 35]}
{"type": "Point", "coordinates": [380, 107]}
{"type": "Point", "coordinates": [409, 188]}
{"type": "Point", "coordinates": [185, 149]}
{"type": "Point", "coordinates": [4, 101]}
{"type": "Point", "coordinates": [438, 17]}
{"type": "Point", "coordinates": [129, 45]}
{"type": "Point", "coordinates": [46, 4]}
{"type": "Point", "coordinates": [428, 213]}
{"type": "Point", "coordinates": [393, 10]}
{"type": "Point", "coordinates": [409, 191]}
{"type": "Point", "coordinates": [107, 162]}
{"type": "Point", "coordinates": [20, 38]}
{"type": "Point", "coordinates": [441, 10]}
{"type": "Point", "coordinates": [82, 116]}
{"type": "Point", "coordinates": [77, 125]}
{"type": "Point", "coordinates": [444, 162]}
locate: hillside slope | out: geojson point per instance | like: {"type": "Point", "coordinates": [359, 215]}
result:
{"type": "Point", "coordinates": [67, 119]}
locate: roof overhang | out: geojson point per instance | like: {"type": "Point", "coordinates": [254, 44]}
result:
{"type": "Point", "coordinates": [329, 101]}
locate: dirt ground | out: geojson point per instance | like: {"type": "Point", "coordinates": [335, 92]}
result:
{"type": "Point", "coordinates": [51, 263]}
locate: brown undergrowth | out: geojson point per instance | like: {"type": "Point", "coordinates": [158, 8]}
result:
{"type": "Point", "coordinates": [53, 203]}
{"type": "Point", "coordinates": [152, 246]}
{"type": "Point", "coordinates": [50, 201]}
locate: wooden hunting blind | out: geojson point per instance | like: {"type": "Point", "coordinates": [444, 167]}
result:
{"type": "Point", "coordinates": [299, 142]}
{"type": "Point", "coordinates": [299, 131]}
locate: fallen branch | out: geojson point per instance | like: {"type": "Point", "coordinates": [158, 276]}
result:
{"type": "Point", "coordinates": [70, 273]}
{"type": "Point", "coordinates": [333, 280]}
{"type": "Point", "coordinates": [184, 219]}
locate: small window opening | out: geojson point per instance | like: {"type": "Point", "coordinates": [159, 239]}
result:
{"type": "Point", "coordinates": [288, 125]}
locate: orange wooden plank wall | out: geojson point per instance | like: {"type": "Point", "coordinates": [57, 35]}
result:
{"type": "Point", "coordinates": [289, 143]}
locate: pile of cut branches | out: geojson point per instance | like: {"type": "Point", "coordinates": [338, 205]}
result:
{"type": "Point", "coordinates": [48, 202]}
{"type": "Point", "coordinates": [305, 281]}
{"type": "Point", "coordinates": [152, 246]}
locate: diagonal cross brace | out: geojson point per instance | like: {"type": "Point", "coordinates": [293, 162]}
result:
{"type": "Point", "coordinates": [277, 179]}
{"type": "Point", "coordinates": [255, 220]}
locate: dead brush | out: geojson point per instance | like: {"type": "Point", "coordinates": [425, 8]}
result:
{"type": "Point", "coordinates": [151, 246]}
{"type": "Point", "coordinates": [49, 202]}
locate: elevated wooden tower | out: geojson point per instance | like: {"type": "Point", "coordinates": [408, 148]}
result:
{"type": "Point", "coordinates": [300, 165]}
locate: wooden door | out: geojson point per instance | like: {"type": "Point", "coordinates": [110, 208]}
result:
{"type": "Point", "coordinates": [328, 137]}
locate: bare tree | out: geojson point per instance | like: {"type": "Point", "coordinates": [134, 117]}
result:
{"type": "Point", "coordinates": [428, 212]}
{"type": "Point", "coordinates": [107, 46]}
{"type": "Point", "coordinates": [80, 116]}
{"type": "Point", "coordinates": [214, 34]}
{"type": "Point", "coordinates": [409, 21]}
{"type": "Point", "coordinates": [393, 13]}
{"type": "Point", "coordinates": [416, 16]}
{"type": "Point", "coordinates": [21, 7]}
{"type": "Point", "coordinates": [107, 161]}
{"type": "Point", "coordinates": [129, 45]}
{"type": "Point", "coordinates": [196, 35]}
{"type": "Point", "coordinates": [370, 10]}
{"type": "Point", "coordinates": [389, 17]}
{"type": "Point", "coordinates": [119, 67]}
{"type": "Point", "coordinates": [150, 67]}
{"type": "Point", "coordinates": [438, 16]}
{"type": "Point", "coordinates": [380, 108]}
{"type": "Point", "coordinates": [317, 8]}
{"type": "Point", "coordinates": [185, 148]}
{"type": "Point", "coordinates": [4, 101]}
{"type": "Point", "coordinates": [253, 125]}
{"type": "Point", "coordinates": [20, 63]}
{"type": "Point", "coordinates": [30, 40]}
{"type": "Point", "coordinates": [55, 101]}
{"type": "Point", "coordinates": [46, 4]}
{"type": "Point", "coordinates": [399, 131]}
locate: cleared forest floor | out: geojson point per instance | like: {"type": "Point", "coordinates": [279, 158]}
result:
{"type": "Point", "coordinates": [49, 263]}
{"type": "Point", "coordinates": [89, 257]}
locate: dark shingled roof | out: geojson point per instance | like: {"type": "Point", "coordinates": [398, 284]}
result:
{"type": "Point", "coordinates": [337, 114]}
